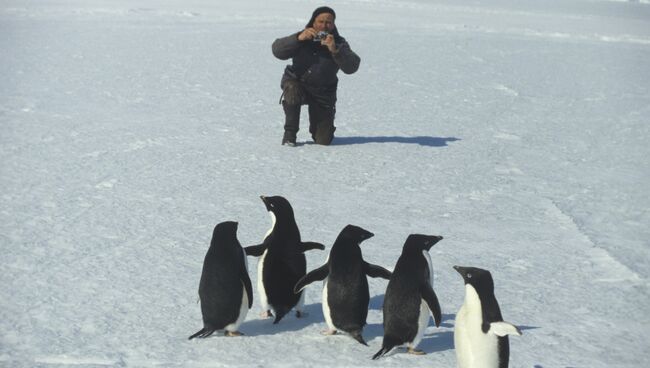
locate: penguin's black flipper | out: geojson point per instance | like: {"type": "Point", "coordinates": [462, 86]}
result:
{"type": "Point", "coordinates": [255, 250]}
{"type": "Point", "coordinates": [376, 271]}
{"type": "Point", "coordinates": [246, 280]}
{"type": "Point", "coordinates": [311, 246]}
{"type": "Point", "coordinates": [430, 297]}
{"type": "Point", "coordinates": [318, 274]}
{"type": "Point", "coordinates": [279, 313]}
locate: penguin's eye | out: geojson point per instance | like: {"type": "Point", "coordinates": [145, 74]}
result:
{"type": "Point", "coordinates": [469, 275]}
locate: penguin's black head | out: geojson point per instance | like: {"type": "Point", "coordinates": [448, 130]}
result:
{"type": "Point", "coordinates": [225, 232]}
{"type": "Point", "coordinates": [225, 227]}
{"type": "Point", "coordinates": [277, 204]}
{"type": "Point", "coordinates": [420, 242]}
{"type": "Point", "coordinates": [479, 278]}
{"type": "Point", "coordinates": [355, 234]}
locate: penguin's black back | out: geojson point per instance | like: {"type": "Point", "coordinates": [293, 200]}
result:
{"type": "Point", "coordinates": [281, 272]}
{"type": "Point", "coordinates": [403, 297]}
{"type": "Point", "coordinates": [492, 313]}
{"type": "Point", "coordinates": [347, 288]}
{"type": "Point", "coordinates": [221, 288]}
{"type": "Point", "coordinates": [484, 286]}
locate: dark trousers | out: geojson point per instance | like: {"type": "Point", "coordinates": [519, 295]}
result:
{"type": "Point", "coordinates": [321, 110]}
{"type": "Point", "coordinates": [321, 121]}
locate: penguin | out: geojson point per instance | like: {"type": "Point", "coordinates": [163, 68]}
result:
{"type": "Point", "coordinates": [480, 334]}
{"type": "Point", "coordinates": [345, 286]}
{"type": "Point", "coordinates": [282, 261]}
{"type": "Point", "coordinates": [410, 296]}
{"type": "Point", "coordinates": [225, 289]}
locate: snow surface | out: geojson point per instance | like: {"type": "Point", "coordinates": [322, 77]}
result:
{"type": "Point", "coordinates": [518, 130]}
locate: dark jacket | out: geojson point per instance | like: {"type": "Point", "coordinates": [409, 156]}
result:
{"type": "Point", "coordinates": [313, 64]}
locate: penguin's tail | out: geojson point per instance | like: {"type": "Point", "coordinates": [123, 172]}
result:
{"type": "Point", "coordinates": [357, 336]}
{"type": "Point", "coordinates": [280, 312]}
{"type": "Point", "coordinates": [202, 333]}
{"type": "Point", "coordinates": [380, 353]}
{"type": "Point", "coordinates": [387, 345]}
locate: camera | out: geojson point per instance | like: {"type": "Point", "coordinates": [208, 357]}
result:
{"type": "Point", "coordinates": [320, 36]}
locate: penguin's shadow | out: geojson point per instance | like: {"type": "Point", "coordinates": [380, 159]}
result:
{"type": "Point", "coordinates": [437, 342]}
{"type": "Point", "coordinates": [431, 343]}
{"type": "Point", "coordinates": [420, 140]}
{"type": "Point", "coordinates": [524, 328]}
{"type": "Point", "coordinates": [372, 331]}
{"type": "Point", "coordinates": [376, 302]}
{"type": "Point", "coordinates": [263, 327]}
{"type": "Point", "coordinates": [445, 318]}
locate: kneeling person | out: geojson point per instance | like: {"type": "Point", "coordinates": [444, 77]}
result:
{"type": "Point", "coordinates": [317, 53]}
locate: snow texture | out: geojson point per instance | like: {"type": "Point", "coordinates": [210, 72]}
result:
{"type": "Point", "coordinates": [518, 130]}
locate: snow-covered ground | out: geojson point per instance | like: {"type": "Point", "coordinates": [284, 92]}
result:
{"type": "Point", "coordinates": [518, 130]}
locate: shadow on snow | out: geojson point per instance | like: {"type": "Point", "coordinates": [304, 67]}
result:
{"type": "Point", "coordinates": [376, 302]}
{"type": "Point", "coordinates": [435, 341]}
{"type": "Point", "coordinates": [261, 327]}
{"type": "Point", "coordinates": [421, 140]}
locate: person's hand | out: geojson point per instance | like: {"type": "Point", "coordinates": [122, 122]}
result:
{"type": "Point", "coordinates": [307, 34]}
{"type": "Point", "coordinates": [329, 43]}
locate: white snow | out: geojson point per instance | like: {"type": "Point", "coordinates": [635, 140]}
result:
{"type": "Point", "coordinates": [518, 130]}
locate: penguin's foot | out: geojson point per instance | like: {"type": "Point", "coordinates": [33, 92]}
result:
{"type": "Point", "coordinates": [266, 314]}
{"type": "Point", "coordinates": [415, 351]}
{"type": "Point", "coordinates": [234, 333]}
{"type": "Point", "coordinates": [301, 314]}
{"type": "Point", "coordinates": [328, 332]}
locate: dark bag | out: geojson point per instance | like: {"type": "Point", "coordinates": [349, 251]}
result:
{"type": "Point", "coordinates": [292, 91]}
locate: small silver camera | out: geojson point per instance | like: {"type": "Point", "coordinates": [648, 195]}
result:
{"type": "Point", "coordinates": [320, 36]}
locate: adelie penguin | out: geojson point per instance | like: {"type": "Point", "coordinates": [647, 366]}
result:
{"type": "Point", "coordinates": [225, 289]}
{"type": "Point", "coordinates": [410, 296]}
{"type": "Point", "coordinates": [480, 334]}
{"type": "Point", "coordinates": [282, 261]}
{"type": "Point", "coordinates": [345, 287]}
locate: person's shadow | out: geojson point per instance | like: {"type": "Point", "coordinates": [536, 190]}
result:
{"type": "Point", "coordinates": [420, 140]}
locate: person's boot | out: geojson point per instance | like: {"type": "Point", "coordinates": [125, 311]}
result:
{"type": "Point", "coordinates": [324, 135]}
{"type": "Point", "coordinates": [291, 123]}
{"type": "Point", "coordinates": [289, 139]}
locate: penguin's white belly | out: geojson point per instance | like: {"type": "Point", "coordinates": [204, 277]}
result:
{"type": "Point", "coordinates": [474, 349]}
{"type": "Point", "coordinates": [264, 301]}
{"type": "Point", "coordinates": [423, 319]}
{"type": "Point", "coordinates": [260, 282]}
{"type": "Point", "coordinates": [423, 322]}
{"type": "Point", "coordinates": [326, 308]}
{"type": "Point", "coordinates": [243, 311]}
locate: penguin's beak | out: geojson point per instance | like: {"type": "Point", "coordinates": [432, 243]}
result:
{"type": "Point", "coordinates": [460, 270]}
{"type": "Point", "coordinates": [433, 240]}
{"type": "Point", "coordinates": [266, 204]}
